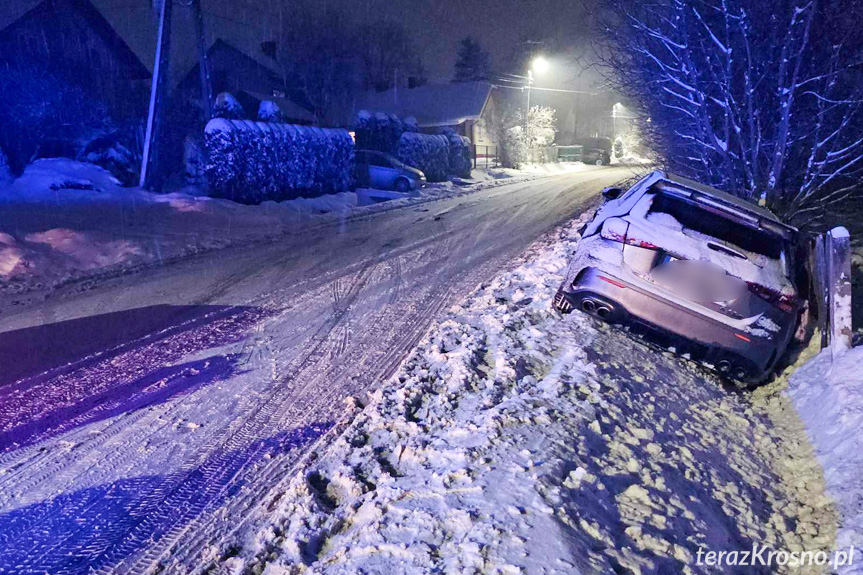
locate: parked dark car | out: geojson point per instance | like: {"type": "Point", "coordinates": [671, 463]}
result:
{"type": "Point", "coordinates": [384, 172]}
{"type": "Point", "coordinates": [699, 270]}
{"type": "Point", "coordinates": [596, 150]}
{"type": "Point", "coordinates": [595, 156]}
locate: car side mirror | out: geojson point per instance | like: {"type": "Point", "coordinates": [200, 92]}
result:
{"type": "Point", "coordinates": [611, 193]}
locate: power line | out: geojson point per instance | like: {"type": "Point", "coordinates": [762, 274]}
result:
{"type": "Point", "coordinates": [550, 90]}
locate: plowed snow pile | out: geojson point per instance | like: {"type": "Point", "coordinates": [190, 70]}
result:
{"type": "Point", "coordinates": [514, 440]}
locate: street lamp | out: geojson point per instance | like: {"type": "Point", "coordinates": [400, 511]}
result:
{"type": "Point", "coordinates": [540, 66]}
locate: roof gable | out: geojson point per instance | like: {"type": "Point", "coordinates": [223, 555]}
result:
{"type": "Point", "coordinates": [433, 104]}
{"type": "Point", "coordinates": [46, 9]}
{"type": "Point", "coordinates": [135, 23]}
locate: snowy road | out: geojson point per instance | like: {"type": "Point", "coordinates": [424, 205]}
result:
{"type": "Point", "coordinates": [175, 398]}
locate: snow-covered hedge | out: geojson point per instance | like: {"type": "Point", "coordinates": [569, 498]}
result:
{"type": "Point", "coordinates": [429, 153]}
{"type": "Point", "coordinates": [380, 131]}
{"type": "Point", "coordinates": [438, 156]}
{"type": "Point", "coordinates": [252, 162]}
{"type": "Point", "coordinates": [269, 111]}
{"type": "Point", "coordinates": [227, 106]}
{"type": "Point", "coordinates": [459, 155]}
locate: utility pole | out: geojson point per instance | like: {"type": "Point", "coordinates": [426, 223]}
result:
{"type": "Point", "coordinates": [527, 112]}
{"type": "Point", "coordinates": [206, 85]}
{"type": "Point", "coordinates": [151, 176]}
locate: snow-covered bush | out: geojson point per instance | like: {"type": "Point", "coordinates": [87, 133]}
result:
{"type": "Point", "coordinates": [226, 106]}
{"type": "Point", "coordinates": [251, 162]}
{"type": "Point", "coordinates": [117, 152]}
{"type": "Point", "coordinates": [515, 145]}
{"type": "Point", "coordinates": [381, 132]}
{"type": "Point", "coordinates": [429, 153]}
{"type": "Point", "coordinates": [269, 111]}
{"type": "Point", "coordinates": [44, 113]}
{"type": "Point", "coordinates": [459, 155]}
{"type": "Point", "coordinates": [542, 126]}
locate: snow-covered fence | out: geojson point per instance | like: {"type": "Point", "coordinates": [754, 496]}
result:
{"type": "Point", "coordinates": [252, 162]}
{"type": "Point", "coordinates": [426, 152]}
{"type": "Point", "coordinates": [832, 274]}
{"type": "Point", "coordinates": [459, 155]}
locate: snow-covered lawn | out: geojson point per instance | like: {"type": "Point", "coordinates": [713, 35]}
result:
{"type": "Point", "coordinates": [64, 220]}
{"type": "Point", "coordinates": [514, 440]}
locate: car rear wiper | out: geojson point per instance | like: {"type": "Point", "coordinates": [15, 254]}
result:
{"type": "Point", "coordinates": [724, 249]}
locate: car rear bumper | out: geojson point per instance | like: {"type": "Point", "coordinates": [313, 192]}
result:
{"type": "Point", "coordinates": [702, 337]}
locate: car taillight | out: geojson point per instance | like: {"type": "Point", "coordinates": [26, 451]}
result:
{"type": "Point", "coordinates": [782, 301]}
{"type": "Point", "coordinates": [640, 243]}
{"type": "Point", "coordinates": [617, 230]}
{"type": "Point", "coordinates": [614, 229]}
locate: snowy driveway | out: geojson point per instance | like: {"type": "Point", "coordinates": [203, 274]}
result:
{"type": "Point", "coordinates": [175, 398]}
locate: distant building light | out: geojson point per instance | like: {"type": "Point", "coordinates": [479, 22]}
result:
{"type": "Point", "coordinates": [353, 135]}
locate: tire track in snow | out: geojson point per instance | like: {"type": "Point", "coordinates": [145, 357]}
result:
{"type": "Point", "coordinates": [404, 287]}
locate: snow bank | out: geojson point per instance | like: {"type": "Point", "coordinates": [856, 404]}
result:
{"type": "Point", "coordinates": [118, 229]}
{"type": "Point", "coordinates": [828, 395]}
{"type": "Point", "coordinates": [63, 220]}
{"type": "Point", "coordinates": [513, 440]}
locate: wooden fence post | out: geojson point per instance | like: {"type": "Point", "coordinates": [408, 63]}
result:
{"type": "Point", "coordinates": [839, 288]}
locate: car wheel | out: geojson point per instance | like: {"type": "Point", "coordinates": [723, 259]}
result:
{"type": "Point", "coordinates": [403, 185]}
{"type": "Point", "coordinates": [599, 162]}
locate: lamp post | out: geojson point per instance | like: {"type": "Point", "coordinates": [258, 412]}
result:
{"type": "Point", "coordinates": [539, 65]}
{"type": "Point", "coordinates": [527, 110]}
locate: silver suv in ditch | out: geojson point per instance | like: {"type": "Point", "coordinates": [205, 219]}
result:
{"type": "Point", "coordinates": [699, 270]}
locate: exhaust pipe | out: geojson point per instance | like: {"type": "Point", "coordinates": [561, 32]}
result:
{"type": "Point", "coordinates": [724, 366]}
{"type": "Point", "coordinates": [588, 305]}
{"type": "Point", "coordinates": [603, 312]}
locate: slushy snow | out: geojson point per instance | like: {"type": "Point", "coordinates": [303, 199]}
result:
{"type": "Point", "coordinates": [515, 440]}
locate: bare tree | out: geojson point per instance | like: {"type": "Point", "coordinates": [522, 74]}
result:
{"type": "Point", "coordinates": [318, 54]}
{"type": "Point", "coordinates": [332, 53]}
{"type": "Point", "coordinates": [760, 99]}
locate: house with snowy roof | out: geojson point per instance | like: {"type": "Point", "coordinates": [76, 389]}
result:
{"type": "Point", "coordinates": [468, 108]}
{"type": "Point", "coordinates": [108, 47]}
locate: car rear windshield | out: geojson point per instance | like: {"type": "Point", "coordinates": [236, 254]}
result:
{"type": "Point", "coordinates": [724, 228]}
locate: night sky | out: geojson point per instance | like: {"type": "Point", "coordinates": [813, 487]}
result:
{"type": "Point", "coordinates": [439, 25]}
{"type": "Point", "coordinates": [498, 25]}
